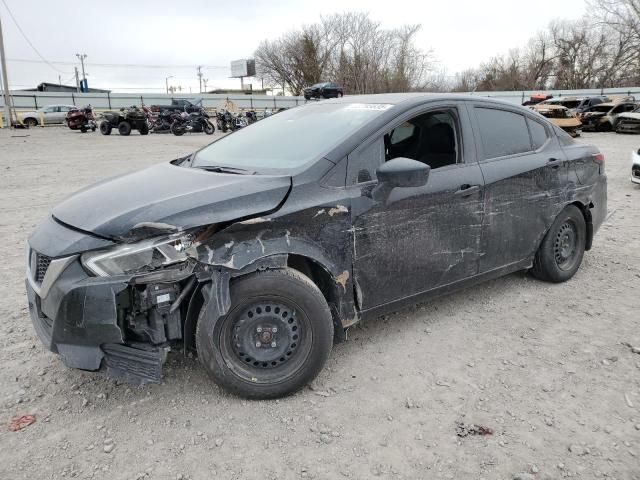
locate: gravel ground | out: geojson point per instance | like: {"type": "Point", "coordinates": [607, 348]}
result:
{"type": "Point", "coordinates": [544, 366]}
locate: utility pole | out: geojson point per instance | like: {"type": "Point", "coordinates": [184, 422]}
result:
{"type": "Point", "coordinates": [205, 80]}
{"type": "Point", "coordinates": [77, 80]}
{"type": "Point", "coordinates": [59, 80]}
{"type": "Point", "coordinates": [5, 82]}
{"type": "Point", "coordinates": [200, 76]}
{"type": "Point", "coordinates": [166, 82]}
{"type": "Point", "coordinates": [82, 56]}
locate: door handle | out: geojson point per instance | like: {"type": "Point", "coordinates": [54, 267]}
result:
{"type": "Point", "coordinates": [466, 190]}
{"type": "Point", "coordinates": [554, 163]}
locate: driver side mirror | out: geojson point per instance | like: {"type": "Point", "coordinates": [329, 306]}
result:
{"type": "Point", "coordinates": [403, 172]}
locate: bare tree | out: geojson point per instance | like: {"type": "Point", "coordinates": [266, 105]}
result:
{"type": "Point", "coordinates": [349, 48]}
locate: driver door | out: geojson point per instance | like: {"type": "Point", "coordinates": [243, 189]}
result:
{"type": "Point", "coordinates": [418, 238]}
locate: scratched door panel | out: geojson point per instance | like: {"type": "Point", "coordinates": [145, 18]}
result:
{"type": "Point", "coordinates": [523, 194]}
{"type": "Point", "coordinates": [419, 238]}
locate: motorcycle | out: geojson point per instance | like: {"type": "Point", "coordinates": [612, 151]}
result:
{"type": "Point", "coordinates": [252, 116]}
{"type": "Point", "coordinates": [81, 119]}
{"type": "Point", "coordinates": [161, 123]}
{"type": "Point", "coordinates": [225, 121]}
{"type": "Point", "coordinates": [192, 122]}
{"type": "Point", "coordinates": [240, 121]}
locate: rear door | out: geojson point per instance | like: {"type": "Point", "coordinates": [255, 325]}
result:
{"type": "Point", "coordinates": [525, 172]}
{"type": "Point", "coordinates": [50, 114]}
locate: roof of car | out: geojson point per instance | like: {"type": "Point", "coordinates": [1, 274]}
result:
{"type": "Point", "coordinates": [416, 98]}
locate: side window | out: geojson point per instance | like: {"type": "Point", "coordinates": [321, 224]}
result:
{"type": "Point", "coordinates": [430, 138]}
{"type": "Point", "coordinates": [538, 133]}
{"type": "Point", "coordinates": [502, 132]}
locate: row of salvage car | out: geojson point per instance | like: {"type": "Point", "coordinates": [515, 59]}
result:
{"type": "Point", "coordinates": [596, 114]}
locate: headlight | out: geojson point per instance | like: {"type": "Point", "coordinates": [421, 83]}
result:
{"type": "Point", "coordinates": [140, 257]}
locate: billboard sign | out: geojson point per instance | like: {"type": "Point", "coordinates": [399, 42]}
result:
{"type": "Point", "coordinates": [243, 68]}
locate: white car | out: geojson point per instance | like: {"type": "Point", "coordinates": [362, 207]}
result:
{"type": "Point", "coordinates": [635, 166]}
{"type": "Point", "coordinates": [49, 114]}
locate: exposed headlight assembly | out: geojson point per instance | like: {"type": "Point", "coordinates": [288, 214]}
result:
{"type": "Point", "coordinates": [140, 257]}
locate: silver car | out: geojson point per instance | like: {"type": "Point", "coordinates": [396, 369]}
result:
{"type": "Point", "coordinates": [50, 114]}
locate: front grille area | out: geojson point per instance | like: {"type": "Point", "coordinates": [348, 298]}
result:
{"type": "Point", "coordinates": [40, 265]}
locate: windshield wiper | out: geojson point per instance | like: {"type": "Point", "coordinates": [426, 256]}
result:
{"type": "Point", "coordinates": [224, 169]}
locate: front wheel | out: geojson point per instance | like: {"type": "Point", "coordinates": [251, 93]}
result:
{"type": "Point", "coordinates": [274, 340]}
{"type": "Point", "coordinates": [144, 129]}
{"type": "Point", "coordinates": [562, 248]}
{"type": "Point", "coordinates": [105, 128]}
{"type": "Point", "coordinates": [124, 128]}
{"type": "Point", "coordinates": [177, 129]}
{"type": "Point", "coordinates": [208, 128]}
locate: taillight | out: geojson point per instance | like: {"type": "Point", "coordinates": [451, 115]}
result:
{"type": "Point", "coordinates": [599, 158]}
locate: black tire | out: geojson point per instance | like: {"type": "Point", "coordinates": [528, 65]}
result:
{"type": "Point", "coordinates": [235, 348]}
{"type": "Point", "coordinates": [208, 128]}
{"type": "Point", "coordinates": [144, 130]}
{"type": "Point", "coordinates": [560, 253]}
{"type": "Point", "coordinates": [124, 128]}
{"type": "Point", "coordinates": [30, 122]}
{"type": "Point", "coordinates": [83, 129]}
{"type": "Point", "coordinates": [176, 129]}
{"type": "Point", "coordinates": [340, 94]}
{"type": "Point", "coordinates": [105, 128]}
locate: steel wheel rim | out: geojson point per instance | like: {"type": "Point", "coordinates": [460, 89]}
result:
{"type": "Point", "coordinates": [253, 350]}
{"type": "Point", "coordinates": [565, 247]}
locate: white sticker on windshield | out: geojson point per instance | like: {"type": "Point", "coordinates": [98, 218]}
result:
{"type": "Point", "coordinates": [368, 106]}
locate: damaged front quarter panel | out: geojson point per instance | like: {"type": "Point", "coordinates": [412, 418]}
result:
{"type": "Point", "coordinates": [314, 237]}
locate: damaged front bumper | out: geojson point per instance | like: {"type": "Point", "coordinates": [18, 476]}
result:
{"type": "Point", "coordinates": [81, 318]}
{"type": "Point", "coordinates": [121, 324]}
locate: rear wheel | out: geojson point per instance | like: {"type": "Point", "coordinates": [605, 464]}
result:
{"type": "Point", "coordinates": [562, 249]}
{"type": "Point", "coordinates": [144, 129]}
{"type": "Point", "coordinates": [275, 338]}
{"type": "Point", "coordinates": [30, 122]}
{"type": "Point", "coordinates": [124, 128]}
{"type": "Point", "coordinates": [208, 128]}
{"type": "Point", "coordinates": [105, 128]}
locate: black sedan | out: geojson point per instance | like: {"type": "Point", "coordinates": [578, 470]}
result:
{"type": "Point", "coordinates": [323, 90]}
{"type": "Point", "coordinates": [260, 250]}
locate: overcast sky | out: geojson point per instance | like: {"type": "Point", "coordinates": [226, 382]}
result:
{"type": "Point", "coordinates": [177, 36]}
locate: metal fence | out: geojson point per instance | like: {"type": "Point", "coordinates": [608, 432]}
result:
{"type": "Point", "coordinates": [106, 101]}
{"type": "Point", "coordinates": [522, 96]}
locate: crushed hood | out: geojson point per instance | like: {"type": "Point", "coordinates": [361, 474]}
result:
{"type": "Point", "coordinates": [631, 115]}
{"type": "Point", "coordinates": [167, 198]}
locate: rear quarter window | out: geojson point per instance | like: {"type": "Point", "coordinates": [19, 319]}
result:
{"type": "Point", "coordinates": [502, 132]}
{"type": "Point", "coordinates": [539, 135]}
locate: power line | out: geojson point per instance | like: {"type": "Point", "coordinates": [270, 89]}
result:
{"type": "Point", "coordinates": [44, 60]}
{"type": "Point", "coordinates": [115, 65]}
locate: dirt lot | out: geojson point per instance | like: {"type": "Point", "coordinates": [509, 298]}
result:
{"type": "Point", "coordinates": [544, 366]}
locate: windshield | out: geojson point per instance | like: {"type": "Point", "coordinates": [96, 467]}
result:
{"type": "Point", "coordinates": [571, 103]}
{"type": "Point", "coordinates": [289, 139]}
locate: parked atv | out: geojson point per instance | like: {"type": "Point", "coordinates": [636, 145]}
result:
{"type": "Point", "coordinates": [125, 120]}
{"type": "Point", "coordinates": [81, 119]}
